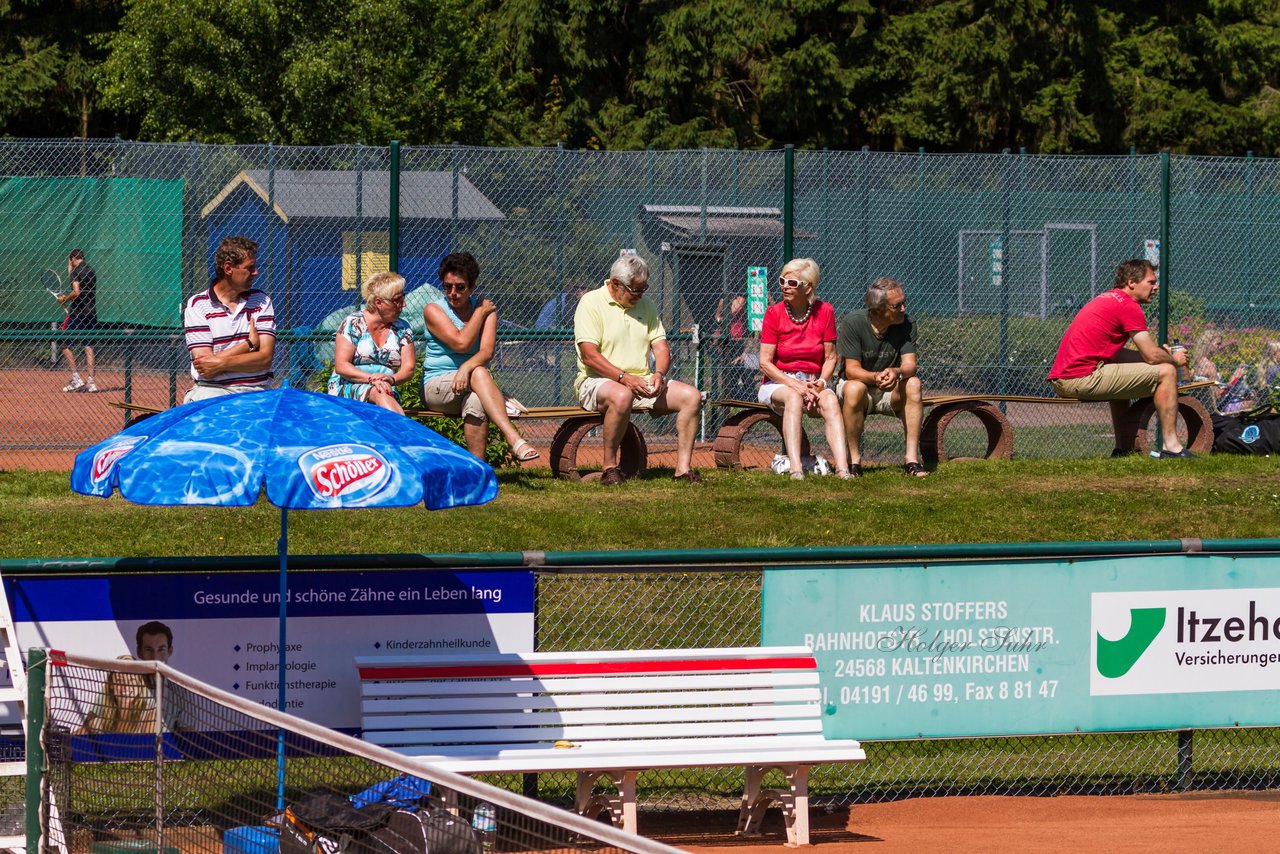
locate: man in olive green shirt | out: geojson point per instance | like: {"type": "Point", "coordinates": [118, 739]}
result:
{"type": "Point", "coordinates": [616, 328]}
{"type": "Point", "coordinates": [877, 348]}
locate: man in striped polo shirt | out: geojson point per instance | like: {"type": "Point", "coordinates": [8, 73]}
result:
{"type": "Point", "coordinates": [230, 327]}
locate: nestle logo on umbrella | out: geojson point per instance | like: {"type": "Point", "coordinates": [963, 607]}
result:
{"type": "Point", "coordinates": [346, 471]}
{"type": "Point", "coordinates": [106, 458]}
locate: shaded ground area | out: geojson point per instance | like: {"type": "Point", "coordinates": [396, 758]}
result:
{"type": "Point", "coordinates": [1242, 822]}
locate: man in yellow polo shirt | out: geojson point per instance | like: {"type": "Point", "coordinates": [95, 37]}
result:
{"type": "Point", "coordinates": [616, 328]}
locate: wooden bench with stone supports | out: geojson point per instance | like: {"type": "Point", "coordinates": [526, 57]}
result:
{"type": "Point", "coordinates": [944, 409]}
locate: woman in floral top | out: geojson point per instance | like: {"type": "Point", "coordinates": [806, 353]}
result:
{"type": "Point", "coordinates": [373, 352]}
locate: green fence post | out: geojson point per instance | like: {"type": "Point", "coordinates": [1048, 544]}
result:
{"type": "Point", "coordinates": [1248, 235]}
{"type": "Point", "coordinates": [128, 377]}
{"type": "Point", "coordinates": [788, 202]}
{"type": "Point", "coordinates": [37, 661]}
{"type": "Point", "coordinates": [561, 227]}
{"type": "Point", "coordinates": [393, 213]}
{"type": "Point", "coordinates": [864, 225]}
{"type": "Point", "coordinates": [702, 203]}
{"type": "Point", "coordinates": [916, 280]}
{"type": "Point", "coordinates": [1002, 384]}
{"type": "Point", "coordinates": [358, 247]}
{"type": "Point", "coordinates": [455, 169]}
{"type": "Point", "coordinates": [1186, 773]}
{"type": "Point", "coordinates": [1163, 293]}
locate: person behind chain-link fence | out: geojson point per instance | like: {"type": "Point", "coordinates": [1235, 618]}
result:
{"type": "Point", "coordinates": [462, 336]}
{"type": "Point", "coordinates": [617, 330]}
{"type": "Point", "coordinates": [373, 352]}
{"type": "Point", "coordinates": [799, 362]}
{"type": "Point", "coordinates": [1094, 364]}
{"type": "Point", "coordinates": [81, 305]}
{"type": "Point", "coordinates": [878, 349]}
{"type": "Point", "coordinates": [230, 326]}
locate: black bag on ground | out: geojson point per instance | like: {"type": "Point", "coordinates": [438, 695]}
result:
{"type": "Point", "coordinates": [428, 830]}
{"type": "Point", "coordinates": [1235, 435]}
{"type": "Point", "coordinates": [327, 823]}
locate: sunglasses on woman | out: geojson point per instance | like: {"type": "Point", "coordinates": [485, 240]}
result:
{"type": "Point", "coordinates": [784, 282]}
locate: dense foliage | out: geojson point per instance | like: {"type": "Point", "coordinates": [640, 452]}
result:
{"type": "Point", "coordinates": [1197, 76]}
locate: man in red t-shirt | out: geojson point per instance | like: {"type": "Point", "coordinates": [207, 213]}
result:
{"type": "Point", "coordinates": [1093, 363]}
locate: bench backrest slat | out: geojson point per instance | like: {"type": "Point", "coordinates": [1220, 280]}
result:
{"type": "Point", "coordinates": [449, 704]}
{"type": "Point", "coordinates": [589, 684]}
{"type": "Point", "coordinates": [620, 717]}
{"type": "Point", "coordinates": [588, 733]}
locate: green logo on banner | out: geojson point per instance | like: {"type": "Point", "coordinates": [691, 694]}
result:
{"type": "Point", "coordinates": [1116, 658]}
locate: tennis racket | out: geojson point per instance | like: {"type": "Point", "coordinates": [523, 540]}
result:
{"type": "Point", "coordinates": [52, 282]}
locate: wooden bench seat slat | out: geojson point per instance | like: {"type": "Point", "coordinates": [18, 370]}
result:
{"type": "Point", "coordinates": [448, 704]}
{"type": "Point", "coordinates": [548, 717]}
{"type": "Point", "coordinates": [585, 685]}
{"type": "Point", "coordinates": [524, 749]}
{"type": "Point", "coordinates": [518, 759]}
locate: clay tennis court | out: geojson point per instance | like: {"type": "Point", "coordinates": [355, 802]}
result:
{"type": "Point", "coordinates": [1240, 822]}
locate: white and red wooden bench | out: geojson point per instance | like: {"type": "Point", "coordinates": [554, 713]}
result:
{"type": "Point", "coordinates": [612, 715]}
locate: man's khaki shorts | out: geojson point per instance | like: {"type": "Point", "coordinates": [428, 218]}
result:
{"type": "Point", "coordinates": [878, 401]}
{"type": "Point", "coordinates": [438, 393]}
{"type": "Point", "coordinates": [1112, 381]}
{"type": "Point", "coordinates": [591, 387]}
{"type": "Point", "coordinates": [201, 391]}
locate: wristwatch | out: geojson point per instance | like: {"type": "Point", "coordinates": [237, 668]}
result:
{"type": "Point", "coordinates": [621, 374]}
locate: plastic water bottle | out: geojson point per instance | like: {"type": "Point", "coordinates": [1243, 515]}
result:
{"type": "Point", "coordinates": [485, 822]}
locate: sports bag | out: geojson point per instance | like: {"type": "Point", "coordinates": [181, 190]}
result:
{"type": "Point", "coordinates": [428, 830]}
{"type": "Point", "coordinates": [327, 823]}
{"type": "Point", "coordinates": [1233, 434]}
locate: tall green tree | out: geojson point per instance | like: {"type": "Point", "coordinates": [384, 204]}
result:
{"type": "Point", "coordinates": [301, 72]}
{"type": "Point", "coordinates": [48, 53]}
{"type": "Point", "coordinates": [675, 73]}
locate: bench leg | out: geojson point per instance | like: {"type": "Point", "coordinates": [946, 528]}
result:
{"type": "Point", "coordinates": [633, 453]}
{"type": "Point", "coordinates": [794, 801]}
{"type": "Point", "coordinates": [621, 807]}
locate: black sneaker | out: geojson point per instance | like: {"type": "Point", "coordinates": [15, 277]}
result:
{"type": "Point", "coordinates": [1184, 454]}
{"type": "Point", "coordinates": [1116, 453]}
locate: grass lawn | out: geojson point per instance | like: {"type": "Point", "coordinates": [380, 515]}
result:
{"type": "Point", "coordinates": [962, 502]}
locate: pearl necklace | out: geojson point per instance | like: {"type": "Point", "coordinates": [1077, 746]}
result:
{"type": "Point", "coordinates": [794, 319]}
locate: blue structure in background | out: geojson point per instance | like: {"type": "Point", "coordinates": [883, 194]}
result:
{"type": "Point", "coordinates": [319, 220]}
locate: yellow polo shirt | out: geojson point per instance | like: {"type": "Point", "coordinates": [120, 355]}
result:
{"type": "Point", "coordinates": [624, 335]}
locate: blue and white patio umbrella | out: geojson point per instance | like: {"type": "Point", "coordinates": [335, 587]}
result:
{"type": "Point", "coordinates": [310, 451]}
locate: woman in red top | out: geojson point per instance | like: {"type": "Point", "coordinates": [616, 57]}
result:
{"type": "Point", "coordinates": [798, 360]}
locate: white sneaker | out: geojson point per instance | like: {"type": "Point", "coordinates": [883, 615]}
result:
{"type": "Point", "coordinates": [90, 387]}
{"type": "Point", "coordinates": [75, 385]}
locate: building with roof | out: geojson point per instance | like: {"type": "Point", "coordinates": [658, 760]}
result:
{"type": "Point", "coordinates": [321, 232]}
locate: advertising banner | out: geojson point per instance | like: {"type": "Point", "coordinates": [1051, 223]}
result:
{"type": "Point", "coordinates": [223, 628]}
{"type": "Point", "coordinates": [1037, 647]}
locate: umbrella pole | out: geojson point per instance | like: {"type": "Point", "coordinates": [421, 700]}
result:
{"type": "Point", "coordinates": [282, 546]}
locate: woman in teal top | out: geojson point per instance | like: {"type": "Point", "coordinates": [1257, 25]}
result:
{"type": "Point", "coordinates": [462, 333]}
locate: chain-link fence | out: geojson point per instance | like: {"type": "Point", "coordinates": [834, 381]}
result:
{"type": "Point", "coordinates": [996, 252]}
{"type": "Point", "coordinates": [211, 762]}
{"type": "Point", "coordinates": [689, 610]}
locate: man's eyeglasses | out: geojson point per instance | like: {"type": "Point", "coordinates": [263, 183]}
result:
{"type": "Point", "coordinates": [635, 292]}
{"type": "Point", "coordinates": [898, 306]}
{"type": "Point", "coordinates": [788, 284]}
{"type": "Point", "coordinates": [461, 287]}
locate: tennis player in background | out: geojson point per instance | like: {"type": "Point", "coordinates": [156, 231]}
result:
{"type": "Point", "coordinates": [81, 304]}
